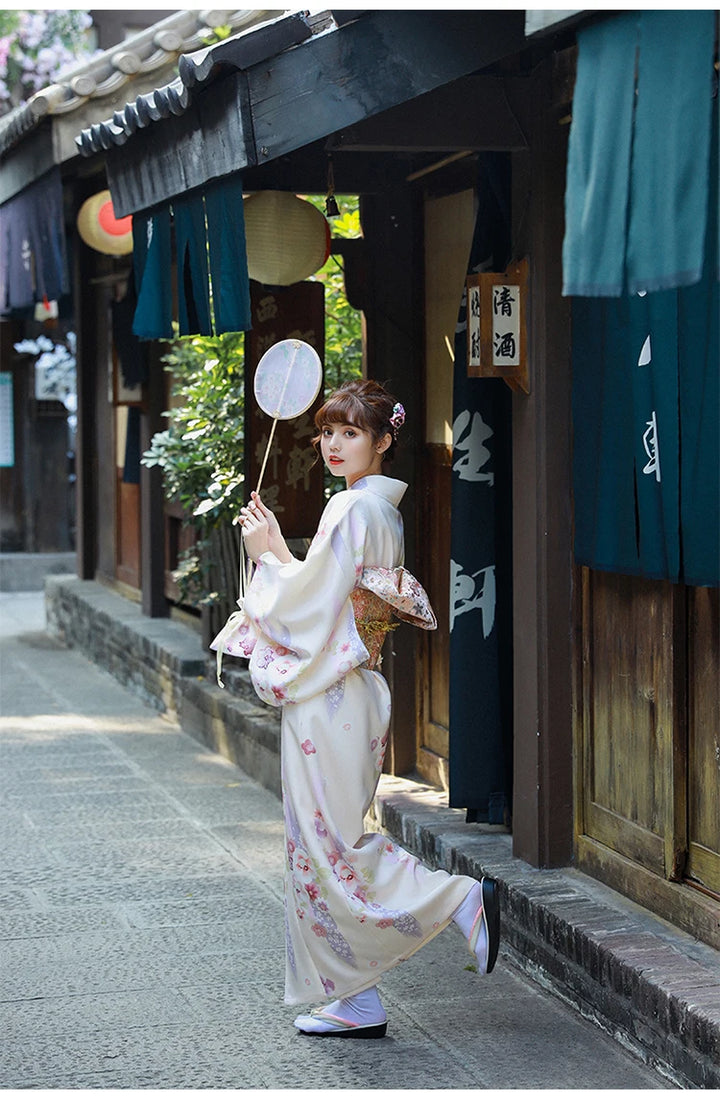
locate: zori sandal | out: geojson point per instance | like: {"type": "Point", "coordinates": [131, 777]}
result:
{"type": "Point", "coordinates": [487, 922]}
{"type": "Point", "coordinates": [321, 1024]}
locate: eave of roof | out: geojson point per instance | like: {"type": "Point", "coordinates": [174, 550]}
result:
{"type": "Point", "coordinates": [150, 54]}
{"type": "Point", "coordinates": [263, 94]}
{"type": "Point", "coordinates": [241, 51]}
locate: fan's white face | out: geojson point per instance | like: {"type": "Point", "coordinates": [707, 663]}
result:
{"type": "Point", "coordinates": [351, 452]}
{"type": "Point", "coordinates": [287, 379]}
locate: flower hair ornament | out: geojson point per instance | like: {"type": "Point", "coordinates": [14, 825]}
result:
{"type": "Point", "coordinates": [397, 419]}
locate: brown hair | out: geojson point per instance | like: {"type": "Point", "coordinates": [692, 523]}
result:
{"type": "Point", "coordinates": [363, 403]}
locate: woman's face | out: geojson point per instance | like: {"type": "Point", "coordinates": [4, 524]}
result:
{"type": "Point", "coordinates": [351, 452]}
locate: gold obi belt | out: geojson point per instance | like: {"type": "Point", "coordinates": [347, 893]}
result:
{"type": "Point", "coordinates": [373, 620]}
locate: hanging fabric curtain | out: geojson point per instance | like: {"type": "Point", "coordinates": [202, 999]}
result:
{"type": "Point", "coordinates": [481, 546]}
{"type": "Point", "coordinates": [33, 250]}
{"type": "Point", "coordinates": [213, 290]}
{"type": "Point", "coordinates": [152, 253]}
{"type": "Point", "coordinates": [636, 202]}
{"type": "Point", "coordinates": [224, 210]}
{"type": "Point", "coordinates": [646, 422]}
{"type": "Point", "coordinates": [646, 451]}
{"type": "Point", "coordinates": [193, 286]}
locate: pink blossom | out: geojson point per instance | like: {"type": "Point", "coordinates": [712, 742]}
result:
{"type": "Point", "coordinates": [307, 747]}
{"type": "Point", "coordinates": [319, 930]}
{"type": "Point", "coordinates": [302, 863]}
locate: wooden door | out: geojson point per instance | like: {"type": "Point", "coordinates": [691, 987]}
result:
{"type": "Point", "coordinates": [434, 729]}
{"type": "Point", "coordinates": [628, 714]}
{"type": "Point", "coordinates": [703, 810]}
{"type": "Point", "coordinates": [648, 750]}
{"type": "Point", "coordinates": [449, 222]}
{"type": "Point", "coordinates": [127, 516]}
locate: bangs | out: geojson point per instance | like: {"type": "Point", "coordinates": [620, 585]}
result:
{"type": "Point", "coordinates": [343, 409]}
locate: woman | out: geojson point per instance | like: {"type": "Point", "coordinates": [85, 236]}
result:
{"type": "Point", "coordinates": [355, 904]}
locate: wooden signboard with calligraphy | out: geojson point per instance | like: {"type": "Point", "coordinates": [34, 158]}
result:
{"type": "Point", "coordinates": [292, 486]}
{"type": "Point", "coordinates": [497, 325]}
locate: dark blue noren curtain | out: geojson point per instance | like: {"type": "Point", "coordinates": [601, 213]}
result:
{"type": "Point", "coordinates": [626, 435]}
{"type": "Point", "coordinates": [209, 233]}
{"type": "Point", "coordinates": [598, 168]}
{"type": "Point", "coordinates": [152, 257]}
{"type": "Point", "coordinates": [646, 426]}
{"type": "Point", "coordinates": [671, 149]}
{"type": "Point", "coordinates": [192, 266]}
{"type": "Point", "coordinates": [131, 467]}
{"type": "Point", "coordinates": [636, 201]}
{"type": "Point", "coordinates": [481, 546]}
{"type": "Point", "coordinates": [228, 255]}
{"type": "Point", "coordinates": [131, 351]}
{"type": "Point", "coordinates": [33, 248]}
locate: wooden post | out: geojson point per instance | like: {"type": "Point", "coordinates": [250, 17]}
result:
{"type": "Point", "coordinates": [87, 384]}
{"type": "Point", "coordinates": [542, 551]}
{"type": "Point", "coordinates": [152, 500]}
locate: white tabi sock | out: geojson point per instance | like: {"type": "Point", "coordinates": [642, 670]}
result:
{"type": "Point", "coordinates": [360, 1010]}
{"type": "Point", "coordinates": [465, 915]}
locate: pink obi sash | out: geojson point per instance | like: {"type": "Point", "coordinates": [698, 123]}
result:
{"type": "Point", "coordinates": [381, 598]}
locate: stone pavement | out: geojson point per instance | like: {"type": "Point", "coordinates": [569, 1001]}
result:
{"type": "Point", "coordinates": [141, 941]}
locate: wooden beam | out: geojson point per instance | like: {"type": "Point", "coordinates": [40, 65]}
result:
{"type": "Point", "coordinates": [379, 61]}
{"type": "Point", "coordinates": [472, 113]}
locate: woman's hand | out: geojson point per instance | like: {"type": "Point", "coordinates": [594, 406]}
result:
{"type": "Point", "coordinates": [255, 531]}
{"type": "Point", "coordinates": [261, 531]}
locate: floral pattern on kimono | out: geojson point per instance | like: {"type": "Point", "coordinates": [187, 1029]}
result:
{"type": "Point", "coordinates": [355, 903]}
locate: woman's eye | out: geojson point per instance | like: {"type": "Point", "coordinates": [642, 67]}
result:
{"type": "Point", "coordinates": [350, 432]}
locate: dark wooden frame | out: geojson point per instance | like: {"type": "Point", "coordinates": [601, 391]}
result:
{"type": "Point", "coordinates": [542, 495]}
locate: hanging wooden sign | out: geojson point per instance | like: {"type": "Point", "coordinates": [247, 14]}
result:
{"type": "Point", "coordinates": [497, 326]}
{"type": "Point", "coordinates": [293, 476]}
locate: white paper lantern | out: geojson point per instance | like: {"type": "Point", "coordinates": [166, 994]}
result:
{"type": "Point", "coordinates": [287, 238]}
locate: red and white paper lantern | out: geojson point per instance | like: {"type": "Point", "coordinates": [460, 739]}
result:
{"type": "Point", "coordinates": [101, 230]}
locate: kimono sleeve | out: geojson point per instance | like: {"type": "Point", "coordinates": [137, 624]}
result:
{"type": "Point", "coordinates": [301, 612]}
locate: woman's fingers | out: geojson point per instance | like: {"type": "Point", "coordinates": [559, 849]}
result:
{"type": "Point", "coordinates": [258, 503]}
{"type": "Point", "coordinates": [252, 522]}
{"type": "Point", "coordinates": [253, 511]}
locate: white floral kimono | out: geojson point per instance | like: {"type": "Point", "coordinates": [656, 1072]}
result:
{"type": "Point", "coordinates": [355, 904]}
